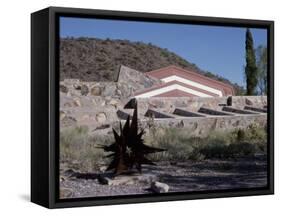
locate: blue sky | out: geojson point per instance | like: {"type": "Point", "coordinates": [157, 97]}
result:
{"type": "Point", "coordinates": [220, 50]}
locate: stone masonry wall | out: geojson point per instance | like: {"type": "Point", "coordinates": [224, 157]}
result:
{"type": "Point", "coordinates": [202, 126]}
{"type": "Point", "coordinates": [194, 103]}
{"type": "Point", "coordinates": [96, 104]}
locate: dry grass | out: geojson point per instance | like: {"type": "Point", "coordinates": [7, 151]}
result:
{"type": "Point", "coordinates": [180, 145]}
{"type": "Point", "coordinates": [79, 150]}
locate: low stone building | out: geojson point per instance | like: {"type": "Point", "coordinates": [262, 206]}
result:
{"type": "Point", "coordinates": [101, 105]}
{"type": "Point", "coordinates": [178, 82]}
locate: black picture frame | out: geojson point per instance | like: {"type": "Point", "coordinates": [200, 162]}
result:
{"type": "Point", "coordinates": [45, 105]}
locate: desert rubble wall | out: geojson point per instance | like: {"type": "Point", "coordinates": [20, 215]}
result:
{"type": "Point", "coordinates": [96, 104]}
{"type": "Point", "coordinates": [194, 103]}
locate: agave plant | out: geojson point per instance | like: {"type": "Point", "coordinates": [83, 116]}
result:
{"type": "Point", "coordinates": [129, 151]}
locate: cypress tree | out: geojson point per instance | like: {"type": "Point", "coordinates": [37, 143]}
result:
{"type": "Point", "coordinates": [251, 71]}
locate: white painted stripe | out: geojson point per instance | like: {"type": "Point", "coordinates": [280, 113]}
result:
{"type": "Point", "coordinates": [170, 88]}
{"type": "Point", "coordinates": [192, 83]}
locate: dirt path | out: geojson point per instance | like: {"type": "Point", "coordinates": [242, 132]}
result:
{"type": "Point", "coordinates": [181, 177]}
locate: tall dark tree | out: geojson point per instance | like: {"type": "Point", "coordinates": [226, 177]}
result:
{"type": "Point", "coordinates": [251, 71]}
{"type": "Point", "coordinates": [261, 54]}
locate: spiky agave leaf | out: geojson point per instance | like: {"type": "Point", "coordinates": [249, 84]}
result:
{"type": "Point", "coordinates": [129, 149]}
{"type": "Point", "coordinates": [118, 153]}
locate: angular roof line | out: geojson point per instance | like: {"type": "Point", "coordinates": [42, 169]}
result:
{"type": "Point", "coordinates": [176, 92]}
{"type": "Point", "coordinates": [176, 68]}
{"type": "Point", "coordinates": [172, 83]}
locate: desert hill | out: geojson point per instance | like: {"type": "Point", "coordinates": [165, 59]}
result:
{"type": "Point", "coordinates": [92, 59]}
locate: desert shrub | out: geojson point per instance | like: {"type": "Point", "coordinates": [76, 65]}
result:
{"type": "Point", "coordinates": [78, 147]}
{"type": "Point", "coordinates": [174, 142]}
{"type": "Point", "coordinates": [256, 133]}
{"type": "Point", "coordinates": [233, 150]}
{"type": "Point", "coordinates": [241, 135]}
{"type": "Point", "coordinates": [242, 149]}
{"type": "Point", "coordinates": [82, 38]}
{"type": "Point", "coordinates": [213, 150]}
{"type": "Point", "coordinates": [164, 53]}
{"type": "Point", "coordinates": [180, 145]}
{"type": "Point", "coordinates": [253, 134]}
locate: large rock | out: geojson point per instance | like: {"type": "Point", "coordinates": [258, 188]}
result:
{"type": "Point", "coordinates": [248, 102]}
{"type": "Point", "coordinates": [68, 121]}
{"type": "Point", "coordinates": [65, 192]}
{"type": "Point", "coordinates": [159, 187]}
{"type": "Point", "coordinates": [63, 89]}
{"type": "Point", "coordinates": [109, 89]}
{"type": "Point", "coordinates": [98, 101]}
{"type": "Point", "coordinates": [96, 91]}
{"type": "Point", "coordinates": [84, 90]}
{"type": "Point", "coordinates": [77, 102]}
{"type": "Point", "coordinates": [135, 79]}
{"type": "Point", "coordinates": [101, 117]}
{"type": "Point", "coordinates": [104, 180]}
{"type": "Point", "coordinates": [62, 115]}
{"type": "Point", "coordinates": [113, 102]}
{"type": "Point", "coordinates": [130, 179]}
{"type": "Point", "coordinates": [76, 86]}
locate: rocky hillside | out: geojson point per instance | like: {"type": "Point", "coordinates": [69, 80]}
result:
{"type": "Point", "coordinates": [92, 59]}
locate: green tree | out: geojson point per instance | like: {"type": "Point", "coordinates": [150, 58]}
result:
{"type": "Point", "coordinates": [261, 54]}
{"type": "Point", "coordinates": [251, 71]}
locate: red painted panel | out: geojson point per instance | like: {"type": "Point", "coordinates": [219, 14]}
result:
{"type": "Point", "coordinates": [175, 82]}
{"type": "Point", "coordinates": [190, 75]}
{"type": "Point", "coordinates": [175, 93]}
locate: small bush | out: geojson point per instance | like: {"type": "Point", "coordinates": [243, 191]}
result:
{"type": "Point", "coordinates": [77, 146]}
{"type": "Point", "coordinates": [80, 148]}
{"type": "Point", "coordinates": [241, 135]}
{"type": "Point", "coordinates": [180, 145]}
{"type": "Point", "coordinates": [164, 54]}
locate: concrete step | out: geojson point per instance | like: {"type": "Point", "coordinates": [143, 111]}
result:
{"type": "Point", "coordinates": [213, 112]}
{"type": "Point", "coordinates": [237, 111]}
{"type": "Point", "coordinates": [158, 114]}
{"type": "Point", "coordinates": [187, 113]}
{"type": "Point", "coordinates": [256, 109]}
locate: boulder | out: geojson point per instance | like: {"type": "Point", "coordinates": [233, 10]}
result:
{"type": "Point", "coordinates": [130, 179]}
{"type": "Point", "coordinates": [118, 92]}
{"type": "Point", "coordinates": [62, 115]}
{"type": "Point", "coordinates": [68, 121]}
{"type": "Point", "coordinates": [77, 86]}
{"type": "Point", "coordinates": [109, 89]}
{"type": "Point", "coordinates": [101, 117]}
{"type": "Point", "coordinates": [135, 79]}
{"type": "Point", "coordinates": [63, 89]}
{"type": "Point", "coordinates": [103, 168]}
{"type": "Point", "coordinates": [69, 173]}
{"type": "Point", "coordinates": [248, 102]}
{"type": "Point", "coordinates": [67, 104]}
{"type": "Point", "coordinates": [76, 102]}
{"type": "Point", "coordinates": [98, 101]}
{"type": "Point", "coordinates": [96, 91]}
{"type": "Point", "coordinates": [113, 102]}
{"type": "Point", "coordinates": [159, 187]}
{"type": "Point", "coordinates": [65, 192]}
{"type": "Point", "coordinates": [84, 90]}
{"type": "Point", "coordinates": [104, 180]}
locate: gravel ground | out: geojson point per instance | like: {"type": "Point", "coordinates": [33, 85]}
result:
{"type": "Point", "coordinates": [181, 177]}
